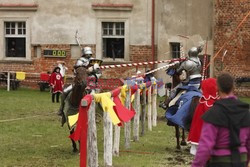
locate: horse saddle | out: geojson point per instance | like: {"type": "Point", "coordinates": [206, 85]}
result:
{"type": "Point", "coordinates": [178, 112]}
{"type": "Point", "coordinates": [173, 102]}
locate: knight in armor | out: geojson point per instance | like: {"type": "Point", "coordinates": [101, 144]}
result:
{"type": "Point", "coordinates": [83, 61]}
{"type": "Point", "coordinates": [192, 68]}
{"type": "Point", "coordinates": [85, 58]}
{"type": "Point", "coordinates": [189, 70]}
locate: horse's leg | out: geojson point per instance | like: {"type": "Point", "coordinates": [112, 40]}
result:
{"type": "Point", "coordinates": [177, 135]}
{"type": "Point", "coordinates": [73, 143]}
{"type": "Point", "coordinates": [79, 145]}
{"type": "Point", "coordinates": [183, 141]}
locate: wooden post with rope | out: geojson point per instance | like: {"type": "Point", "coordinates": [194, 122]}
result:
{"type": "Point", "coordinates": [128, 124]}
{"type": "Point", "coordinates": [143, 115]}
{"type": "Point", "coordinates": [92, 137]}
{"type": "Point", "coordinates": [116, 146]}
{"type": "Point", "coordinates": [137, 115]}
{"type": "Point", "coordinates": [108, 139]}
{"type": "Point", "coordinates": [149, 109]}
{"type": "Point", "coordinates": [154, 119]}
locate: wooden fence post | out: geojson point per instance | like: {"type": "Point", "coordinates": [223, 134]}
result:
{"type": "Point", "coordinates": [143, 115]}
{"type": "Point", "coordinates": [128, 124]}
{"type": "Point", "coordinates": [149, 109]}
{"type": "Point", "coordinates": [8, 81]}
{"type": "Point", "coordinates": [137, 107]}
{"type": "Point", "coordinates": [116, 147]}
{"type": "Point", "coordinates": [116, 144]}
{"type": "Point", "coordinates": [154, 105]}
{"type": "Point", "coordinates": [92, 137]}
{"type": "Point", "coordinates": [108, 139]}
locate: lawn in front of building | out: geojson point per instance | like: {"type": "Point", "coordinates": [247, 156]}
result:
{"type": "Point", "coordinates": [31, 135]}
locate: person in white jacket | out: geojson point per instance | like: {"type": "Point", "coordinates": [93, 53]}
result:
{"type": "Point", "coordinates": [63, 68]}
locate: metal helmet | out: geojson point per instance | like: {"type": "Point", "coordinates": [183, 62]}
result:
{"type": "Point", "coordinates": [87, 51]}
{"type": "Point", "coordinates": [193, 52]}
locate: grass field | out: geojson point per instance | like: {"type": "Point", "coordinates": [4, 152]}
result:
{"type": "Point", "coordinates": [31, 136]}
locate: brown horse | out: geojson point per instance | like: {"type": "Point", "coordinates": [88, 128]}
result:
{"type": "Point", "coordinates": [195, 100]}
{"type": "Point", "coordinates": [70, 101]}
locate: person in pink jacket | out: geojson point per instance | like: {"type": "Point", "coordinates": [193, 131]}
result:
{"type": "Point", "coordinates": [225, 135]}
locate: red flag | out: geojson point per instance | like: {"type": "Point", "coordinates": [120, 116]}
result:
{"type": "Point", "coordinates": [122, 112]}
{"type": "Point", "coordinates": [81, 132]}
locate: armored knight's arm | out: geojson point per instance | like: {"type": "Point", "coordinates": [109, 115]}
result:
{"type": "Point", "coordinates": [82, 62]}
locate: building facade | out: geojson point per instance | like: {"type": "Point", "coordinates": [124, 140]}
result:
{"type": "Point", "coordinates": [35, 34]}
{"type": "Point", "coordinates": [232, 33]}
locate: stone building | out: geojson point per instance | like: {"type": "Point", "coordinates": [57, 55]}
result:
{"type": "Point", "coordinates": [43, 32]}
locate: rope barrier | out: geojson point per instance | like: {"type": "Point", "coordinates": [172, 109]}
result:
{"type": "Point", "coordinates": [17, 119]}
{"type": "Point", "coordinates": [8, 79]}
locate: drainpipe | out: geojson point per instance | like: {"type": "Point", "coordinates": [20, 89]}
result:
{"type": "Point", "coordinates": [153, 32]}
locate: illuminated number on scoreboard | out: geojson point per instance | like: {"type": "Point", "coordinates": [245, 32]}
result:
{"type": "Point", "coordinates": [55, 53]}
{"type": "Point", "coordinates": [63, 53]}
{"type": "Point", "coordinates": [59, 53]}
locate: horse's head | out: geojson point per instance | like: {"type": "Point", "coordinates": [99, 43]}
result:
{"type": "Point", "coordinates": [80, 83]}
{"type": "Point", "coordinates": [81, 74]}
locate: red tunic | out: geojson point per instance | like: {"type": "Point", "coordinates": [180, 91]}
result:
{"type": "Point", "coordinates": [209, 96]}
{"type": "Point", "coordinates": [56, 81]}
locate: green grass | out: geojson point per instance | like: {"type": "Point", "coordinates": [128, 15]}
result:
{"type": "Point", "coordinates": [38, 140]}
{"type": "Point", "coordinates": [245, 99]}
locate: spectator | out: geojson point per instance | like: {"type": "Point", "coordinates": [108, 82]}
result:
{"type": "Point", "coordinates": [225, 135]}
{"type": "Point", "coordinates": [56, 82]}
{"type": "Point", "coordinates": [63, 69]}
{"type": "Point", "coordinates": [209, 96]}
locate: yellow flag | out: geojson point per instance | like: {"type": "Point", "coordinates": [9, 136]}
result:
{"type": "Point", "coordinates": [72, 119]}
{"type": "Point", "coordinates": [107, 105]}
{"type": "Point", "coordinates": [123, 94]}
{"type": "Point", "coordinates": [20, 75]}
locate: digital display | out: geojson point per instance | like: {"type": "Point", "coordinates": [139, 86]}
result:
{"type": "Point", "coordinates": [54, 53]}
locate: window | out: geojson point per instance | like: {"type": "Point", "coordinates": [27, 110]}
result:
{"type": "Point", "coordinates": [113, 40]}
{"type": "Point", "coordinates": [15, 39]}
{"type": "Point", "coordinates": [175, 49]}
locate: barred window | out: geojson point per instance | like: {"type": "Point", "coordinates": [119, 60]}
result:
{"type": "Point", "coordinates": [175, 49]}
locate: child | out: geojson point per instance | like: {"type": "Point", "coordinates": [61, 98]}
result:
{"type": "Point", "coordinates": [56, 82]}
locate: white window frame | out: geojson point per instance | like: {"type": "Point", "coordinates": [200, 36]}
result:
{"type": "Point", "coordinates": [99, 41]}
{"type": "Point", "coordinates": [113, 35]}
{"type": "Point", "coordinates": [27, 39]}
{"type": "Point", "coordinates": [15, 35]}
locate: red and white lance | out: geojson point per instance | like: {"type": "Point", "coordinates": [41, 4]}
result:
{"type": "Point", "coordinates": [204, 64]}
{"type": "Point", "coordinates": [163, 67]}
{"type": "Point", "coordinates": [138, 64]}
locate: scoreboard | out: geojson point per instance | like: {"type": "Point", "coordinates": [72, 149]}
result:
{"type": "Point", "coordinates": [54, 53]}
